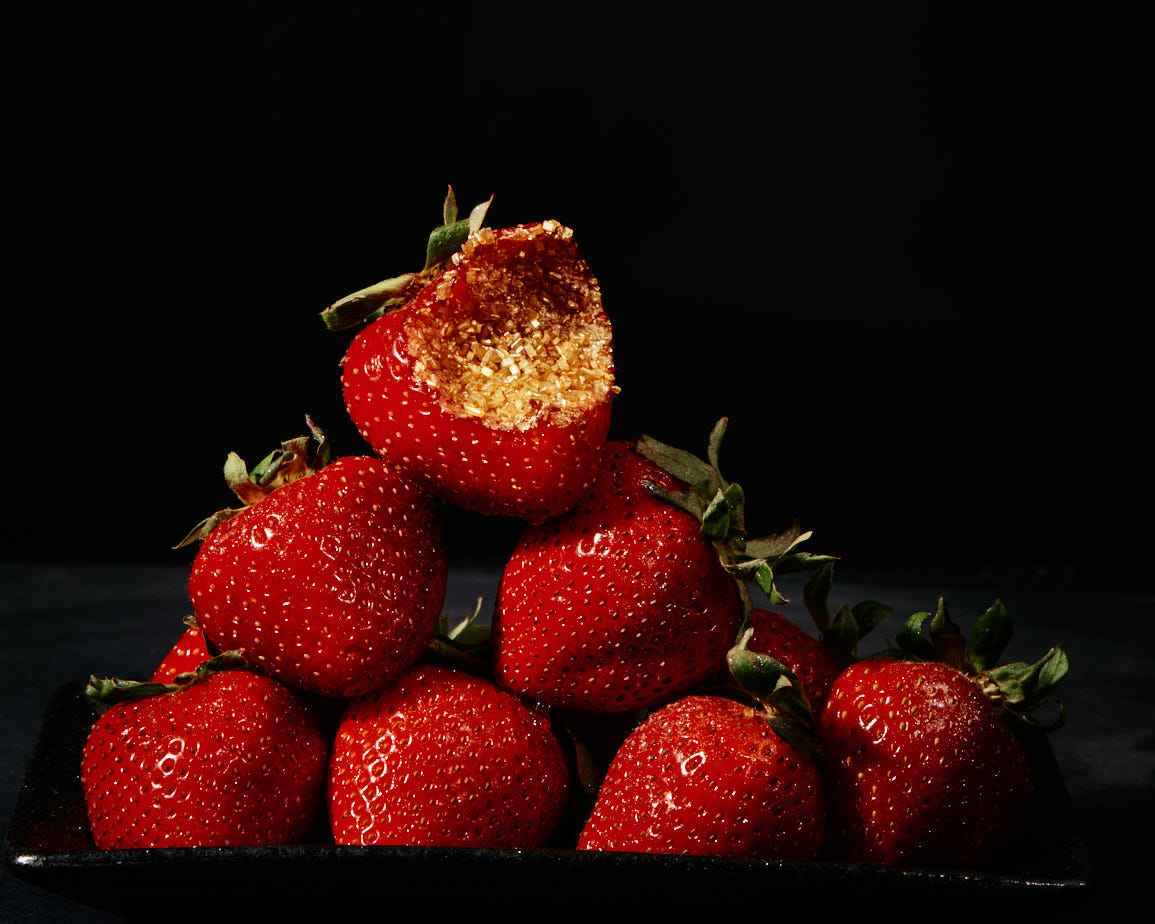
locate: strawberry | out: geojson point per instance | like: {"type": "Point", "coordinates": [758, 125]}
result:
{"type": "Point", "coordinates": [489, 377]}
{"type": "Point", "coordinates": [442, 757]}
{"type": "Point", "coordinates": [186, 655]}
{"type": "Point", "coordinates": [628, 601]}
{"type": "Point", "coordinates": [230, 758]}
{"type": "Point", "coordinates": [806, 656]}
{"type": "Point", "coordinates": [331, 579]}
{"type": "Point", "coordinates": [712, 776]}
{"type": "Point", "coordinates": [816, 660]}
{"type": "Point", "coordinates": [922, 766]}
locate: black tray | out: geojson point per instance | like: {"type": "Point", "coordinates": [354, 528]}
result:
{"type": "Point", "coordinates": [49, 844]}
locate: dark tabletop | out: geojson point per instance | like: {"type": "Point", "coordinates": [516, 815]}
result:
{"type": "Point", "coordinates": [62, 622]}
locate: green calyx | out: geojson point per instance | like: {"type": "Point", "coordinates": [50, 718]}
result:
{"type": "Point", "coordinates": [110, 690]}
{"type": "Point", "coordinates": [719, 506]}
{"type": "Point", "coordinates": [1019, 688]}
{"type": "Point", "coordinates": [444, 241]}
{"type": "Point", "coordinates": [294, 460]}
{"type": "Point", "coordinates": [778, 693]}
{"type": "Point", "coordinates": [466, 643]}
{"type": "Point", "coordinates": [843, 630]}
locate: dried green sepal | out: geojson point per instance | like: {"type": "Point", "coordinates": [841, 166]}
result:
{"type": "Point", "coordinates": [777, 691]}
{"type": "Point", "coordinates": [989, 637]}
{"type": "Point", "coordinates": [109, 690]}
{"type": "Point", "coordinates": [1022, 688]}
{"type": "Point", "coordinates": [466, 644]}
{"type": "Point", "coordinates": [911, 641]}
{"type": "Point", "coordinates": [701, 478]}
{"type": "Point", "coordinates": [1018, 688]}
{"type": "Point", "coordinates": [294, 460]}
{"type": "Point", "coordinates": [849, 625]}
{"type": "Point", "coordinates": [720, 508]}
{"type": "Point", "coordinates": [373, 301]}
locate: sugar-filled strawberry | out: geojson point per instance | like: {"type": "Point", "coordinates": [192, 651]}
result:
{"type": "Point", "coordinates": [331, 578]}
{"type": "Point", "coordinates": [228, 757]}
{"type": "Point", "coordinates": [442, 757]}
{"type": "Point", "coordinates": [635, 596]}
{"type": "Point", "coordinates": [714, 776]}
{"type": "Point", "coordinates": [922, 767]}
{"type": "Point", "coordinates": [489, 375]}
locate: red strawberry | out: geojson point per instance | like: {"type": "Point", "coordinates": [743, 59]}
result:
{"type": "Point", "coordinates": [922, 768]}
{"type": "Point", "coordinates": [234, 758]}
{"type": "Point", "coordinates": [186, 655]}
{"type": "Point", "coordinates": [445, 758]}
{"type": "Point", "coordinates": [625, 602]}
{"type": "Point", "coordinates": [816, 660]}
{"type": "Point", "coordinates": [709, 776]}
{"type": "Point", "coordinates": [806, 656]}
{"type": "Point", "coordinates": [490, 379]}
{"type": "Point", "coordinates": [332, 582]}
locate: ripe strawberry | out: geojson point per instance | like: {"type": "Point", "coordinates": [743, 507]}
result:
{"type": "Point", "coordinates": [332, 581]}
{"type": "Point", "coordinates": [922, 767]}
{"type": "Point", "coordinates": [805, 655]}
{"type": "Point", "coordinates": [816, 660]}
{"type": "Point", "coordinates": [233, 758]}
{"type": "Point", "coordinates": [444, 758]}
{"type": "Point", "coordinates": [186, 655]}
{"type": "Point", "coordinates": [710, 776]}
{"type": "Point", "coordinates": [626, 602]}
{"type": "Point", "coordinates": [490, 379]}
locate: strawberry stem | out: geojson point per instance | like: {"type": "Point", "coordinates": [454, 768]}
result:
{"type": "Point", "coordinates": [111, 690]}
{"type": "Point", "coordinates": [380, 298]}
{"type": "Point", "coordinates": [291, 462]}
{"type": "Point", "coordinates": [1018, 688]}
{"type": "Point", "coordinates": [720, 508]}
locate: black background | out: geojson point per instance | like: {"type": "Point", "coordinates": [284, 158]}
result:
{"type": "Point", "coordinates": [887, 241]}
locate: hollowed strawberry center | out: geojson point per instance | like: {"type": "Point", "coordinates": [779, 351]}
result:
{"type": "Point", "coordinates": [516, 333]}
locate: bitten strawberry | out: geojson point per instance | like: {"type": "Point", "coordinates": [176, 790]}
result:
{"type": "Point", "coordinates": [445, 758]}
{"type": "Point", "coordinates": [922, 768]}
{"type": "Point", "coordinates": [332, 580]}
{"type": "Point", "coordinates": [490, 377]}
{"type": "Point", "coordinates": [711, 776]}
{"type": "Point", "coordinates": [628, 601]}
{"type": "Point", "coordinates": [232, 758]}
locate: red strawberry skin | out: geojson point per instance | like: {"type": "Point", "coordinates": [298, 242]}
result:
{"type": "Point", "coordinates": [618, 605]}
{"type": "Point", "coordinates": [921, 769]}
{"type": "Point", "coordinates": [445, 758]}
{"type": "Point", "coordinates": [234, 759]}
{"type": "Point", "coordinates": [188, 653]}
{"type": "Point", "coordinates": [529, 451]}
{"type": "Point", "coordinates": [806, 656]}
{"type": "Point", "coordinates": [332, 583]}
{"type": "Point", "coordinates": [708, 776]}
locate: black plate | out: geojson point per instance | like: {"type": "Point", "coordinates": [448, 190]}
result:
{"type": "Point", "coordinates": [49, 844]}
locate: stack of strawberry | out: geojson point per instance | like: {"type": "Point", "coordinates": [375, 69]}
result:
{"type": "Point", "coordinates": [627, 695]}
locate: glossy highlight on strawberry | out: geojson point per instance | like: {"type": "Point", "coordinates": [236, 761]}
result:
{"type": "Point", "coordinates": [709, 776]}
{"type": "Point", "coordinates": [620, 604]}
{"type": "Point", "coordinates": [233, 759]}
{"type": "Point", "coordinates": [921, 768]}
{"type": "Point", "coordinates": [445, 758]}
{"type": "Point", "coordinates": [333, 583]}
